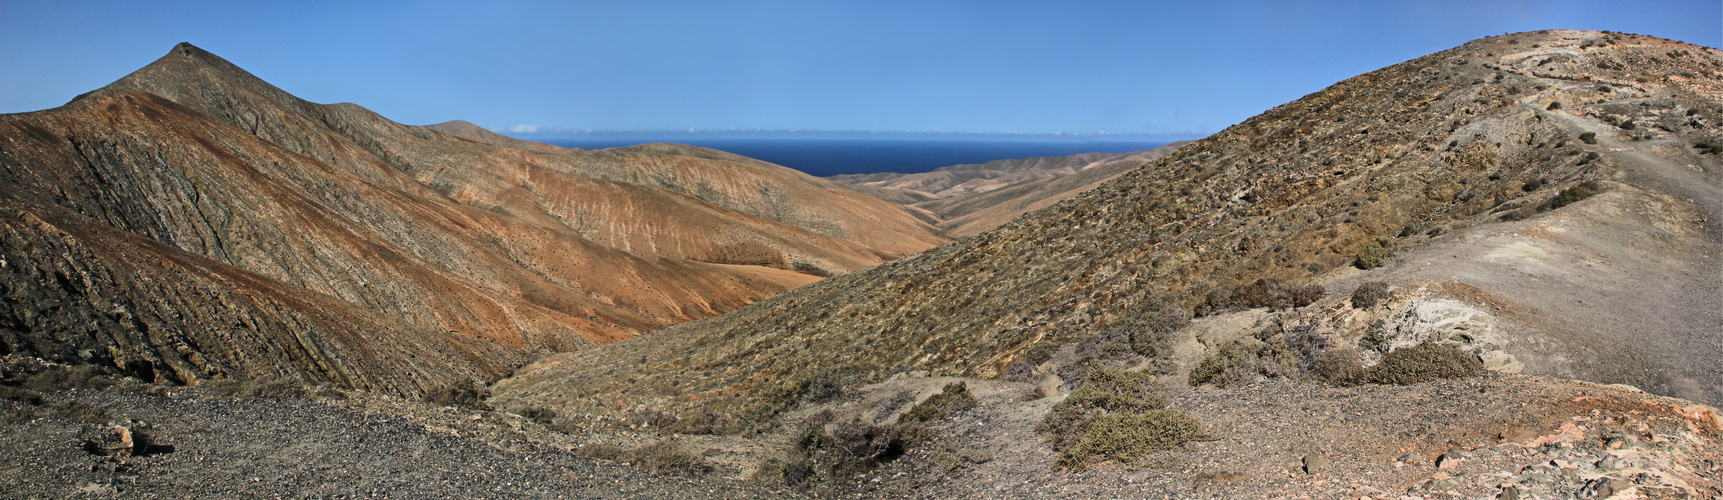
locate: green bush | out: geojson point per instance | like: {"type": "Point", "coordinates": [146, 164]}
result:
{"type": "Point", "coordinates": [1424, 362]}
{"type": "Point", "coordinates": [1588, 137]}
{"type": "Point", "coordinates": [1371, 256]}
{"type": "Point", "coordinates": [1569, 196]}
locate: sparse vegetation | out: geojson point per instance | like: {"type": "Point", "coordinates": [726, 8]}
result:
{"type": "Point", "coordinates": [61, 378]}
{"type": "Point", "coordinates": [814, 387]}
{"type": "Point", "coordinates": [1588, 137]}
{"type": "Point", "coordinates": [1117, 415]}
{"type": "Point", "coordinates": [463, 393]}
{"type": "Point", "coordinates": [953, 398]}
{"type": "Point", "coordinates": [661, 457]}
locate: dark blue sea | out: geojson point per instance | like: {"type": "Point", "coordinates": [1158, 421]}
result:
{"type": "Point", "coordinates": [825, 157]}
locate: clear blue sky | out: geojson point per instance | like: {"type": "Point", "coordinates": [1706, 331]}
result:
{"type": "Point", "coordinates": [922, 65]}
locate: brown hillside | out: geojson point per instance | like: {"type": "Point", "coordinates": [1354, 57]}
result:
{"type": "Point", "coordinates": [1422, 156]}
{"type": "Point", "coordinates": [375, 246]}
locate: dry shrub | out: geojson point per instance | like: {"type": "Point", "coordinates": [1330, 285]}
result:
{"type": "Point", "coordinates": [1018, 371]}
{"type": "Point", "coordinates": [1369, 294]}
{"type": "Point", "coordinates": [1424, 362]}
{"type": "Point", "coordinates": [953, 398]}
{"type": "Point", "coordinates": [1242, 362]}
{"type": "Point", "coordinates": [660, 457]}
{"type": "Point", "coordinates": [1118, 415]}
{"type": "Point", "coordinates": [1344, 366]}
{"type": "Point", "coordinates": [60, 378]}
{"type": "Point", "coordinates": [1274, 294]}
{"type": "Point", "coordinates": [817, 456]}
{"type": "Point", "coordinates": [463, 393]}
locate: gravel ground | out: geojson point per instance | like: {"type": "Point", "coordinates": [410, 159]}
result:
{"type": "Point", "coordinates": [298, 448]}
{"type": "Point", "coordinates": [1472, 438]}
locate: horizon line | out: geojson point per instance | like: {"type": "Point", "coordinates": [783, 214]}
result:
{"type": "Point", "coordinates": [540, 129]}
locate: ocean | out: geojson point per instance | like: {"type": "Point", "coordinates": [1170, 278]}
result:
{"type": "Point", "coordinates": [826, 157]}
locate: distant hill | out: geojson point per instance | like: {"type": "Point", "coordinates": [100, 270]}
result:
{"type": "Point", "coordinates": [969, 199]}
{"type": "Point", "coordinates": [191, 221]}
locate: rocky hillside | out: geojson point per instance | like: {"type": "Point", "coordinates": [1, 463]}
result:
{"type": "Point", "coordinates": [1468, 174]}
{"type": "Point", "coordinates": [191, 221]}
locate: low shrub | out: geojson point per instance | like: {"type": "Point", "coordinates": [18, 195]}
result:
{"type": "Point", "coordinates": [1371, 256]}
{"type": "Point", "coordinates": [463, 393]}
{"type": "Point", "coordinates": [1343, 366]}
{"type": "Point", "coordinates": [60, 378]}
{"type": "Point", "coordinates": [1128, 436]}
{"type": "Point", "coordinates": [544, 416]}
{"type": "Point", "coordinates": [1118, 415]}
{"type": "Point", "coordinates": [1570, 195]}
{"type": "Point", "coordinates": [1242, 362]}
{"type": "Point", "coordinates": [1273, 294]}
{"type": "Point", "coordinates": [1588, 137]}
{"type": "Point", "coordinates": [660, 457]}
{"type": "Point", "coordinates": [953, 398]}
{"type": "Point", "coordinates": [1368, 294]}
{"type": "Point", "coordinates": [816, 456]}
{"type": "Point", "coordinates": [1424, 362]}
{"type": "Point", "coordinates": [21, 395]}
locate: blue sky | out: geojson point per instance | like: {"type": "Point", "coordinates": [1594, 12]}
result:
{"type": "Point", "coordinates": [986, 66]}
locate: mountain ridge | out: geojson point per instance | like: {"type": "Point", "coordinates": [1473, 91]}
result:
{"type": "Point", "coordinates": [453, 238]}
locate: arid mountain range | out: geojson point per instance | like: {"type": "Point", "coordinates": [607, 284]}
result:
{"type": "Point", "coordinates": [190, 217]}
{"type": "Point", "coordinates": [1489, 272]}
{"type": "Point", "coordinates": [1460, 179]}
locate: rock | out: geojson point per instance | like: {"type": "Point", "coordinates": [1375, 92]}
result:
{"type": "Point", "coordinates": [1451, 459]}
{"type": "Point", "coordinates": [1509, 493]}
{"type": "Point", "coordinates": [1315, 464]}
{"type": "Point", "coordinates": [1609, 463]}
